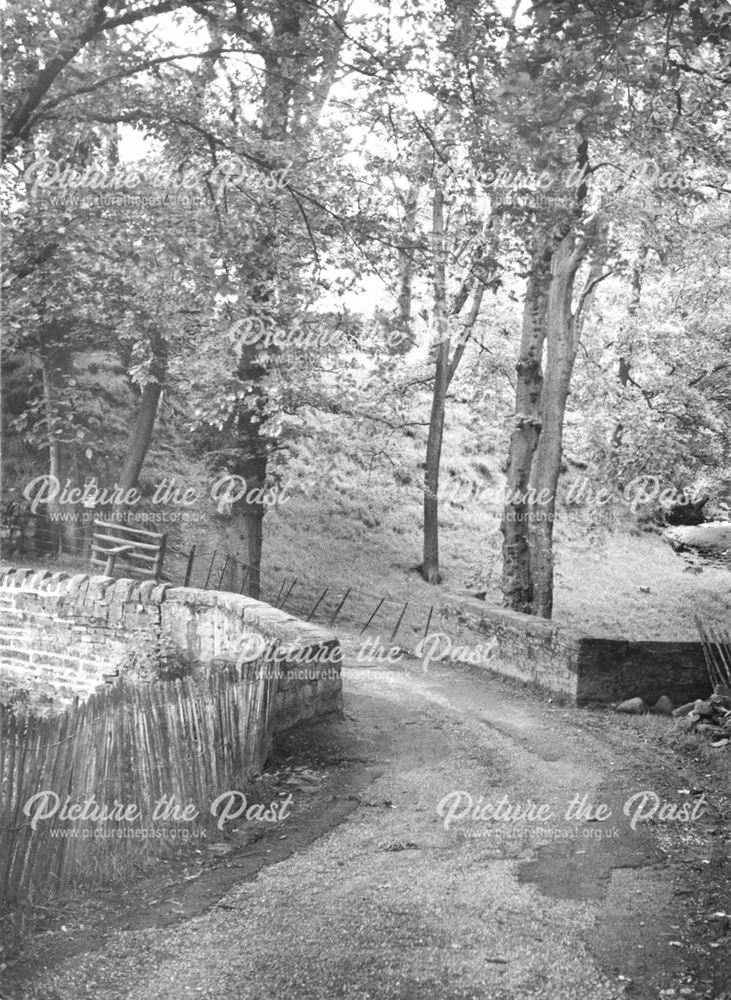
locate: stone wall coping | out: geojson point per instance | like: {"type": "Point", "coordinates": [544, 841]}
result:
{"type": "Point", "coordinates": [548, 627]}
{"type": "Point", "coordinates": [102, 588]}
{"type": "Point", "coordinates": [493, 612]}
{"type": "Point", "coordinates": [280, 623]}
{"type": "Point", "coordinates": [38, 578]}
{"type": "Point", "coordinates": [122, 591]}
{"type": "Point", "coordinates": [77, 584]}
{"type": "Point", "coordinates": [193, 595]}
{"type": "Point", "coordinates": [15, 577]}
{"type": "Point", "coordinates": [85, 586]}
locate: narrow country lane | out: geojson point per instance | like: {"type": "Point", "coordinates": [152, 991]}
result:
{"type": "Point", "coordinates": [396, 902]}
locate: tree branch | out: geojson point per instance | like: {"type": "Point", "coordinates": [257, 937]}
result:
{"type": "Point", "coordinates": [139, 68]}
{"type": "Point", "coordinates": [588, 291]}
{"type": "Point", "coordinates": [17, 126]}
{"type": "Point", "coordinates": [467, 331]}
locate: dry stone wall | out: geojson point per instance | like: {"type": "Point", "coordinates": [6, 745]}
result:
{"type": "Point", "coordinates": [61, 635]}
{"type": "Point", "coordinates": [582, 668]}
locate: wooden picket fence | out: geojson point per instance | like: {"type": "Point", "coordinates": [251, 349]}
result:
{"type": "Point", "coordinates": [717, 651]}
{"type": "Point", "coordinates": [128, 744]}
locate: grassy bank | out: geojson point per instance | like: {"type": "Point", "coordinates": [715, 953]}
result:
{"type": "Point", "coordinates": [352, 517]}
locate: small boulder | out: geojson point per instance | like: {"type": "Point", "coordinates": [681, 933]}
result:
{"type": "Point", "coordinates": [721, 691]}
{"type": "Point", "coordinates": [683, 710]}
{"type": "Point", "coordinates": [663, 705]}
{"type": "Point", "coordinates": [633, 706]}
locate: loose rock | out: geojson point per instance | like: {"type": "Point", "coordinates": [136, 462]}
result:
{"type": "Point", "coordinates": [633, 706]}
{"type": "Point", "coordinates": [683, 709]}
{"type": "Point", "coordinates": [663, 705]}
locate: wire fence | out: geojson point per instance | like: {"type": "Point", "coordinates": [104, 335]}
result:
{"type": "Point", "coordinates": [395, 622]}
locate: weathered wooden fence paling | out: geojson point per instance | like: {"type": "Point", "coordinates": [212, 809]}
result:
{"type": "Point", "coordinates": [716, 650]}
{"type": "Point", "coordinates": [126, 745]}
{"type": "Point", "coordinates": [132, 551]}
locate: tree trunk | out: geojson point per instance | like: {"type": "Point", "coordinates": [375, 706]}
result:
{"type": "Point", "coordinates": [254, 514]}
{"type": "Point", "coordinates": [57, 366]}
{"type": "Point", "coordinates": [141, 436]}
{"type": "Point", "coordinates": [561, 350]}
{"type": "Point", "coordinates": [625, 361]}
{"type": "Point", "coordinates": [444, 371]}
{"type": "Point", "coordinates": [563, 337]}
{"type": "Point", "coordinates": [144, 426]}
{"type": "Point", "coordinates": [291, 106]}
{"type": "Point", "coordinates": [517, 586]}
{"type": "Point", "coordinates": [252, 442]}
{"type": "Point", "coordinates": [54, 508]}
{"type": "Point", "coordinates": [430, 562]}
{"type": "Point", "coordinates": [252, 466]}
{"type": "Point", "coordinates": [534, 460]}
